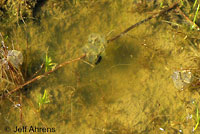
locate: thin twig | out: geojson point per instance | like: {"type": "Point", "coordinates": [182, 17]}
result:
{"type": "Point", "coordinates": [37, 72]}
{"type": "Point", "coordinates": [45, 74]}
{"type": "Point", "coordinates": [21, 114]}
{"type": "Point", "coordinates": [143, 21]}
{"type": "Point", "coordinates": [191, 22]}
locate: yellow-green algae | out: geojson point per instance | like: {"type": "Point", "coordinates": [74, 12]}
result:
{"type": "Point", "coordinates": [130, 91]}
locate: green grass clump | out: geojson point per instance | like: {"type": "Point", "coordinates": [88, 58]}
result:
{"type": "Point", "coordinates": [196, 117]}
{"type": "Point", "coordinates": [44, 99]}
{"type": "Point", "coordinates": [49, 65]}
{"type": "Point", "coordinates": [195, 17]}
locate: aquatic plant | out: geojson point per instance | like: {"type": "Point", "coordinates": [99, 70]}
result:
{"type": "Point", "coordinates": [10, 61]}
{"type": "Point", "coordinates": [88, 54]}
{"type": "Point", "coordinates": [49, 65]}
{"type": "Point", "coordinates": [44, 99]}
{"type": "Point", "coordinates": [196, 117]}
{"type": "Point", "coordinates": [14, 11]}
{"type": "Point", "coordinates": [195, 17]}
{"type": "Point", "coordinates": [50, 68]}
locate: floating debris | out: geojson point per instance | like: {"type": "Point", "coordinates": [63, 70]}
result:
{"type": "Point", "coordinates": [10, 73]}
{"type": "Point", "coordinates": [182, 78]}
{"type": "Point", "coordinates": [162, 129]}
{"type": "Point", "coordinates": [15, 57]}
{"type": "Point", "coordinates": [95, 48]}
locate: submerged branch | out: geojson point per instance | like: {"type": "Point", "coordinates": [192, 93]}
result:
{"type": "Point", "coordinates": [143, 21]}
{"type": "Point", "coordinates": [43, 75]}
{"type": "Point", "coordinates": [190, 21]}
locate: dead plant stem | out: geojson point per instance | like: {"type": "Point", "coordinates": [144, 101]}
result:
{"type": "Point", "coordinates": [45, 74]}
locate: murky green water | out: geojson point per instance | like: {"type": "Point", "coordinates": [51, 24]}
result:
{"type": "Point", "coordinates": [129, 92]}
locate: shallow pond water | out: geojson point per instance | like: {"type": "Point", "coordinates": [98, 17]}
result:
{"type": "Point", "coordinates": [129, 92]}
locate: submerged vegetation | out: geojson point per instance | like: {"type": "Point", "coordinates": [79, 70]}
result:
{"type": "Point", "coordinates": [44, 99]}
{"type": "Point", "coordinates": [105, 98]}
{"type": "Point", "coordinates": [16, 11]}
{"type": "Point", "coordinates": [196, 118]}
{"type": "Point", "coordinates": [49, 65]}
{"type": "Point", "coordinates": [10, 61]}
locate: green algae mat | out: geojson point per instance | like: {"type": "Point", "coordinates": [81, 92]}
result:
{"type": "Point", "coordinates": [100, 67]}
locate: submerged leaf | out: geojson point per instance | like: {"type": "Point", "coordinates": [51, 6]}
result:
{"type": "Point", "coordinates": [182, 78]}
{"type": "Point", "coordinates": [95, 48]}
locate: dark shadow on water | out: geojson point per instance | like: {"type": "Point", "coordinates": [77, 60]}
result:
{"type": "Point", "coordinates": [37, 7]}
{"type": "Point", "coordinates": [124, 52]}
